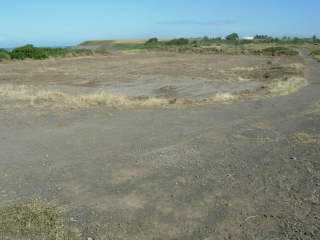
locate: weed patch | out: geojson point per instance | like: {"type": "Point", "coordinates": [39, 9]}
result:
{"type": "Point", "coordinates": [304, 138]}
{"type": "Point", "coordinates": [286, 87]}
{"type": "Point", "coordinates": [33, 220]}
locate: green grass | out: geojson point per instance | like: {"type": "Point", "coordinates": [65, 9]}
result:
{"type": "Point", "coordinates": [33, 220]}
{"type": "Point", "coordinates": [4, 55]}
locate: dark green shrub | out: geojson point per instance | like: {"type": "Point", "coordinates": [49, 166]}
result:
{"type": "Point", "coordinates": [28, 51]}
{"type": "Point", "coordinates": [315, 39]}
{"type": "Point", "coordinates": [178, 42]}
{"type": "Point", "coordinates": [261, 37]}
{"type": "Point", "coordinates": [205, 39]}
{"type": "Point", "coordinates": [152, 41]}
{"type": "Point", "coordinates": [233, 37]}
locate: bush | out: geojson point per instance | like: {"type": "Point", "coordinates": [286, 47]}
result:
{"type": "Point", "coordinates": [4, 55]}
{"type": "Point", "coordinates": [205, 39]}
{"type": "Point", "coordinates": [152, 41]}
{"type": "Point", "coordinates": [233, 37]}
{"type": "Point", "coordinates": [28, 51]}
{"type": "Point", "coordinates": [261, 37]}
{"type": "Point", "coordinates": [178, 42]}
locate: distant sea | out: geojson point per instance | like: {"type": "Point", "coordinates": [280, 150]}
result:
{"type": "Point", "coordinates": [10, 49]}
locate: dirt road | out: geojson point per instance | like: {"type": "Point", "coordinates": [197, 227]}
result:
{"type": "Point", "coordinates": [247, 170]}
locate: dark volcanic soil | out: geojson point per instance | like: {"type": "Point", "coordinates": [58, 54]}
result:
{"type": "Point", "coordinates": [247, 170]}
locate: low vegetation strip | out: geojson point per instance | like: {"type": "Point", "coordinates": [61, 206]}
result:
{"type": "Point", "coordinates": [40, 97]}
{"type": "Point", "coordinates": [289, 86]}
{"type": "Point", "coordinates": [31, 52]}
{"type": "Point", "coordinates": [36, 96]}
{"type": "Point", "coordinates": [231, 45]}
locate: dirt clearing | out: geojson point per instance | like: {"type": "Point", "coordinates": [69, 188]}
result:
{"type": "Point", "coordinates": [246, 170]}
{"type": "Point", "coordinates": [149, 79]}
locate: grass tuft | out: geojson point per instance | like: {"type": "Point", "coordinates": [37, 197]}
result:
{"type": "Point", "coordinates": [35, 96]}
{"type": "Point", "coordinates": [38, 97]}
{"type": "Point", "coordinates": [305, 138]}
{"type": "Point", "coordinates": [286, 87]}
{"type": "Point", "coordinates": [33, 220]}
{"type": "Point", "coordinates": [223, 97]}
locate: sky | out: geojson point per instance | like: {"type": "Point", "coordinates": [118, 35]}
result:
{"type": "Point", "coordinates": [69, 22]}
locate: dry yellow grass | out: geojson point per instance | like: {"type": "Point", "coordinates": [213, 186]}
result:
{"type": "Point", "coordinates": [263, 124]}
{"type": "Point", "coordinates": [111, 42]}
{"type": "Point", "coordinates": [305, 138]}
{"type": "Point", "coordinates": [223, 97]}
{"type": "Point", "coordinates": [292, 85]}
{"type": "Point", "coordinates": [34, 220]}
{"type": "Point", "coordinates": [36, 96]}
{"type": "Point", "coordinates": [129, 41]}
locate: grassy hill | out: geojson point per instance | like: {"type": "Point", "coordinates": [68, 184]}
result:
{"type": "Point", "coordinates": [112, 45]}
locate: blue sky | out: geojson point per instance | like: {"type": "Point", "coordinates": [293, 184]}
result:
{"type": "Point", "coordinates": [67, 22]}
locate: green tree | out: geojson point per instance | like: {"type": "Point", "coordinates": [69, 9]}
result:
{"type": "Point", "coordinates": [178, 42]}
{"type": "Point", "coordinates": [152, 41]}
{"type": "Point", "coordinates": [205, 39]}
{"type": "Point", "coordinates": [233, 37]}
{"type": "Point", "coordinates": [314, 39]}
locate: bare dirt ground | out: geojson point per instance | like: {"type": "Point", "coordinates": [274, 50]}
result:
{"type": "Point", "coordinates": [245, 170]}
{"type": "Point", "coordinates": [143, 75]}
